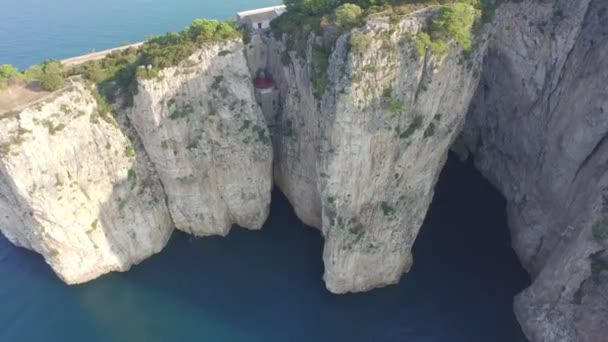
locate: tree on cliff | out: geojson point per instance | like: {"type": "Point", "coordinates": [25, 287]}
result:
{"type": "Point", "coordinates": [7, 73]}
{"type": "Point", "coordinates": [347, 15]}
{"type": "Point", "coordinates": [49, 73]}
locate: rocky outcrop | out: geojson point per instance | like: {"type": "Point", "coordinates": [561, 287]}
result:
{"type": "Point", "coordinates": [73, 189]}
{"type": "Point", "coordinates": [91, 200]}
{"type": "Point", "coordinates": [537, 130]}
{"type": "Point", "coordinates": [361, 162]}
{"type": "Point", "coordinates": [208, 141]}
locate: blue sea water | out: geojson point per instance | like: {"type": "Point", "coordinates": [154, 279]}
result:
{"type": "Point", "coordinates": [267, 286]}
{"type": "Point", "coordinates": [33, 30]}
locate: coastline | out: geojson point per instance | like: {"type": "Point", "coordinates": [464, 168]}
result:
{"type": "Point", "coordinates": [93, 56]}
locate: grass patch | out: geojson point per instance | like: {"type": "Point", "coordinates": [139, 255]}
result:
{"type": "Point", "coordinates": [129, 151]}
{"type": "Point", "coordinates": [394, 105]}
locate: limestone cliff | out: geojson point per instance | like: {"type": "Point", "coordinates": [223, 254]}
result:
{"type": "Point", "coordinates": [73, 189]}
{"type": "Point", "coordinates": [207, 138]}
{"type": "Point", "coordinates": [537, 129]}
{"type": "Point", "coordinates": [361, 162]}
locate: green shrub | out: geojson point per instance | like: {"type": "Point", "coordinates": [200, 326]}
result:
{"type": "Point", "coordinates": [423, 42]}
{"type": "Point", "coordinates": [347, 15]}
{"type": "Point", "coordinates": [132, 178]}
{"type": "Point", "coordinates": [320, 63]}
{"type": "Point", "coordinates": [430, 129]}
{"type": "Point", "coordinates": [413, 127]}
{"type": "Point", "coordinates": [387, 210]}
{"type": "Point", "coordinates": [285, 58]}
{"type": "Point", "coordinates": [93, 72]}
{"type": "Point", "coordinates": [394, 105]}
{"type": "Point", "coordinates": [172, 48]}
{"type": "Point", "coordinates": [49, 73]}
{"type": "Point", "coordinates": [387, 92]}
{"type": "Point", "coordinates": [455, 22]}
{"type": "Point", "coordinates": [129, 151]}
{"type": "Point", "coordinates": [104, 109]}
{"type": "Point", "coordinates": [50, 126]}
{"type": "Point", "coordinates": [7, 73]}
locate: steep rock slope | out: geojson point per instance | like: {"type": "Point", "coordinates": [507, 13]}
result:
{"type": "Point", "coordinates": [362, 162]}
{"type": "Point", "coordinates": [537, 129]}
{"type": "Point", "coordinates": [73, 189]}
{"type": "Point", "coordinates": [208, 141]}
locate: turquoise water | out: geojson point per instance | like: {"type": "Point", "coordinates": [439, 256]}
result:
{"type": "Point", "coordinates": [33, 30]}
{"type": "Point", "coordinates": [267, 286]}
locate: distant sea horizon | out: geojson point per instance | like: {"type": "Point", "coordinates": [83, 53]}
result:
{"type": "Point", "coordinates": [34, 30]}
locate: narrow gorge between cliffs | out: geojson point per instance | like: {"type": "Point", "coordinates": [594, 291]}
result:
{"type": "Point", "coordinates": [267, 285]}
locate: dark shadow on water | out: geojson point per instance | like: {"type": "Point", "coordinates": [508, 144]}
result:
{"type": "Point", "coordinates": [267, 286]}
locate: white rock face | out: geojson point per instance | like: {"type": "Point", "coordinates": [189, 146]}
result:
{"type": "Point", "coordinates": [537, 130]}
{"type": "Point", "coordinates": [362, 163]}
{"type": "Point", "coordinates": [73, 190]}
{"type": "Point", "coordinates": [207, 138]}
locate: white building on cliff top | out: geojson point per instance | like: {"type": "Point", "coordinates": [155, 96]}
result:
{"type": "Point", "coordinates": [259, 19]}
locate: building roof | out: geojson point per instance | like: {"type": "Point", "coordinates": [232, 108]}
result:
{"type": "Point", "coordinates": [262, 14]}
{"type": "Point", "coordinates": [263, 83]}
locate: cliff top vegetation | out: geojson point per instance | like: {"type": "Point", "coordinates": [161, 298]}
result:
{"type": "Point", "coordinates": [305, 16]}
{"type": "Point", "coordinates": [118, 70]}
{"type": "Point", "coordinates": [330, 18]}
{"type": "Point", "coordinates": [50, 74]}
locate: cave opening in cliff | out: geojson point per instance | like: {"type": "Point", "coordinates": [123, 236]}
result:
{"type": "Point", "coordinates": [466, 235]}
